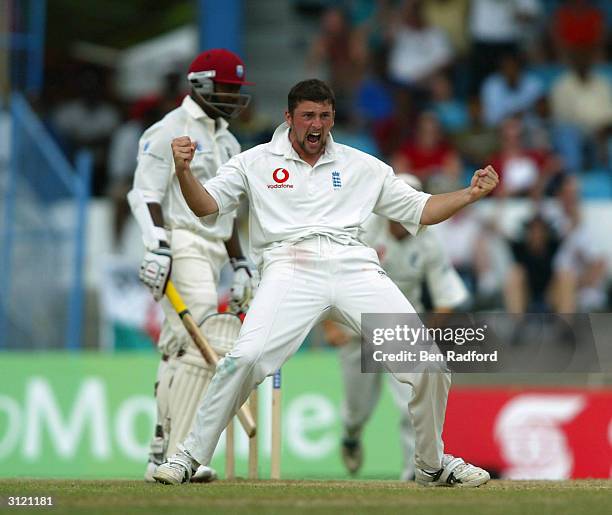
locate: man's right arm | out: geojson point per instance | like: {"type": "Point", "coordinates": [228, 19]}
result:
{"type": "Point", "coordinates": [150, 184]}
{"type": "Point", "coordinates": [196, 196]}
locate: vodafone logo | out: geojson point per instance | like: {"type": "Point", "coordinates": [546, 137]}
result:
{"type": "Point", "coordinates": [280, 176]}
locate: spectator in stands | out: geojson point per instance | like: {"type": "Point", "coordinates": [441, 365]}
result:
{"type": "Point", "coordinates": [523, 171]}
{"type": "Point", "coordinates": [510, 91]}
{"type": "Point", "coordinates": [451, 112]}
{"type": "Point", "coordinates": [429, 156]}
{"type": "Point", "coordinates": [582, 111]}
{"type": "Point", "coordinates": [89, 121]}
{"type": "Point", "coordinates": [530, 284]}
{"type": "Point", "coordinates": [374, 100]}
{"type": "Point", "coordinates": [392, 131]}
{"type": "Point", "coordinates": [497, 27]}
{"type": "Point", "coordinates": [539, 126]}
{"type": "Point", "coordinates": [340, 50]}
{"type": "Point", "coordinates": [578, 26]}
{"type": "Point", "coordinates": [418, 50]}
{"type": "Point", "coordinates": [450, 16]}
{"type": "Point", "coordinates": [372, 21]}
{"type": "Point", "coordinates": [580, 267]}
{"type": "Point", "coordinates": [477, 142]}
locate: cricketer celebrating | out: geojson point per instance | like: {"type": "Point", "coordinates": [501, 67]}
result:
{"type": "Point", "coordinates": [309, 198]}
{"type": "Point", "coordinates": [178, 243]}
{"type": "Point", "coordinates": [409, 261]}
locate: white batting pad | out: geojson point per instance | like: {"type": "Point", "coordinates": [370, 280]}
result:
{"type": "Point", "coordinates": [193, 374]}
{"type": "Point", "coordinates": [221, 330]}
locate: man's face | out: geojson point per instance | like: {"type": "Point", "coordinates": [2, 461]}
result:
{"type": "Point", "coordinates": [220, 96]}
{"type": "Point", "coordinates": [226, 101]}
{"type": "Point", "coordinates": [310, 124]}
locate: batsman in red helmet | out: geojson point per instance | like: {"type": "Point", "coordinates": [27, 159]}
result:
{"type": "Point", "coordinates": [178, 245]}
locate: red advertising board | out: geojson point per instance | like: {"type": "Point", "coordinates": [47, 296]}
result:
{"type": "Point", "coordinates": [532, 433]}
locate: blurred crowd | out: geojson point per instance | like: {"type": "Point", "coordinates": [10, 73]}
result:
{"type": "Point", "coordinates": [436, 88]}
{"type": "Point", "coordinates": [441, 87]}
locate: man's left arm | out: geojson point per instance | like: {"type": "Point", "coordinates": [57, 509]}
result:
{"type": "Point", "coordinates": [444, 205]}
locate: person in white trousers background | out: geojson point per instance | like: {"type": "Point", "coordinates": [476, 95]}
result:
{"type": "Point", "coordinates": [409, 261]}
{"type": "Point", "coordinates": [309, 197]}
{"type": "Point", "coordinates": [175, 240]}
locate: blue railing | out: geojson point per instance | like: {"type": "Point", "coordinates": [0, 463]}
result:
{"type": "Point", "coordinates": [25, 20]}
{"type": "Point", "coordinates": [43, 238]}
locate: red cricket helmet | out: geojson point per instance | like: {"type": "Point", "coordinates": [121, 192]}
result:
{"type": "Point", "coordinates": [222, 66]}
{"type": "Point", "coordinates": [219, 66]}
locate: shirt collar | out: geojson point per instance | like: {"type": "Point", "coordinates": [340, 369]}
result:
{"type": "Point", "coordinates": [196, 112]}
{"type": "Point", "coordinates": [281, 145]}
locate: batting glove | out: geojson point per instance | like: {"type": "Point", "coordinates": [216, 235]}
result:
{"type": "Point", "coordinates": [155, 270]}
{"type": "Point", "coordinates": [243, 285]}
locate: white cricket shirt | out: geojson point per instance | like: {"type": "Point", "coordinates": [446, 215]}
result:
{"type": "Point", "coordinates": [155, 176]}
{"type": "Point", "coordinates": [416, 259]}
{"type": "Point", "coordinates": [290, 200]}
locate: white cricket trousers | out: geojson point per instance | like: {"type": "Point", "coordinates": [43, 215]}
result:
{"type": "Point", "coordinates": [196, 264]}
{"type": "Point", "coordinates": [300, 285]}
{"type": "Point", "coordinates": [361, 395]}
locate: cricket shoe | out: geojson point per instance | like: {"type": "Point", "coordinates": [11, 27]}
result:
{"type": "Point", "coordinates": [177, 470]}
{"type": "Point", "coordinates": [149, 471]}
{"type": "Point", "coordinates": [454, 472]}
{"type": "Point", "coordinates": [204, 474]}
{"type": "Point", "coordinates": [352, 454]}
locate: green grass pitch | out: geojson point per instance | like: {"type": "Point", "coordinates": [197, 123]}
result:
{"type": "Point", "coordinates": [590, 497]}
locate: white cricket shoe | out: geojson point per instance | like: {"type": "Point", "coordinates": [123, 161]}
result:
{"type": "Point", "coordinates": [454, 472]}
{"type": "Point", "coordinates": [204, 474]}
{"type": "Point", "coordinates": [177, 470]}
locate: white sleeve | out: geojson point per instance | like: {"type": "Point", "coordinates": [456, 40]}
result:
{"type": "Point", "coordinates": [228, 187]}
{"type": "Point", "coordinates": [400, 202]}
{"type": "Point", "coordinates": [445, 286]}
{"type": "Point", "coordinates": [155, 166]}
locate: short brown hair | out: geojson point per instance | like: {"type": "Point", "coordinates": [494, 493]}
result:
{"type": "Point", "coordinates": [314, 90]}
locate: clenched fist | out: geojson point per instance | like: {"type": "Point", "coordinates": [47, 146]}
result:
{"type": "Point", "coordinates": [483, 182]}
{"type": "Point", "coordinates": [183, 150]}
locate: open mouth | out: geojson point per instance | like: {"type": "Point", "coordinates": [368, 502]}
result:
{"type": "Point", "coordinates": [314, 137]}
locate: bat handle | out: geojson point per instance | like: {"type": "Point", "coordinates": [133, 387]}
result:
{"type": "Point", "coordinates": [175, 299]}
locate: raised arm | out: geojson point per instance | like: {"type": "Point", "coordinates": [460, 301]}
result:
{"type": "Point", "coordinates": [196, 196]}
{"type": "Point", "coordinates": [444, 205]}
